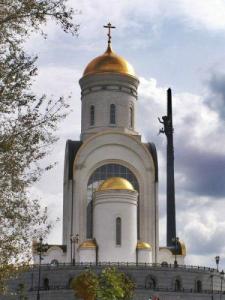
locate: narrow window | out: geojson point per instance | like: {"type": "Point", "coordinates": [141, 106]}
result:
{"type": "Point", "coordinates": [118, 231]}
{"type": "Point", "coordinates": [177, 285]}
{"type": "Point", "coordinates": [92, 115]}
{"type": "Point", "coordinates": [131, 118]}
{"type": "Point", "coordinates": [199, 286]}
{"type": "Point", "coordinates": [46, 284]}
{"type": "Point", "coordinates": [112, 114]}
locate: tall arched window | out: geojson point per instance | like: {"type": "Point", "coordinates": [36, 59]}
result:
{"type": "Point", "coordinates": [112, 114]}
{"type": "Point", "coordinates": [177, 285]}
{"type": "Point", "coordinates": [92, 115]}
{"type": "Point", "coordinates": [118, 231]}
{"type": "Point", "coordinates": [150, 282]}
{"type": "Point", "coordinates": [100, 174]}
{"type": "Point", "coordinates": [198, 286]}
{"type": "Point", "coordinates": [46, 283]}
{"type": "Point", "coordinates": [131, 117]}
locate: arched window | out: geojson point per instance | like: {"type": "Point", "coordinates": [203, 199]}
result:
{"type": "Point", "coordinates": [70, 282]}
{"type": "Point", "coordinates": [54, 262]}
{"type": "Point", "coordinates": [46, 284]}
{"type": "Point", "coordinates": [112, 114]}
{"type": "Point", "coordinates": [198, 286]}
{"type": "Point", "coordinates": [177, 285]}
{"type": "Point", "coordinates": [150, 283]}
{"type": "Point", "coordinates": [164, 264]}
{"type": "Point", "coordinates": [102, 173]}
{"type": "Point", "coordinates": [118, 231]}
{"type": "Point", "coordinates": [92, 115]}
{"type": "Point", "coordinates": [131, 117]}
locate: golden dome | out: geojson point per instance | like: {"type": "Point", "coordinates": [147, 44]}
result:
{"type": "Point", "coordinates": [88, 244]}
{"type": "Point", "coordinates": [116, 183]}
{"type": "Point", "coordinates": [109, 62]}
{"type": "Point", "coordinates": [143, 245]}
{"type": "Point", "coordinates": [183, 251]}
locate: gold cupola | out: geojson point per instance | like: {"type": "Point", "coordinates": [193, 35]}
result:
{"type": "Point", "coordinates": [109, 62]}
{"type": "Point", "coordinates": [115, 183]}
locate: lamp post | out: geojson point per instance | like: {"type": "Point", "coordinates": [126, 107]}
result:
{"type": "Point", "coordinates": [221, 283]}
{"type": "Point", "coordinates": [74, 240]}
{"type": "Point", "coordinates": [217, 259]}
{"type": "Point", "coordinates": [176, 241]}
{"type": "Point", "coordinates": [211, 276]}
{"type": "Point", "coordinates": [41, 248]}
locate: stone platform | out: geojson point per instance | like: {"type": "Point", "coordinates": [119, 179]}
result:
{"type": "Point", "coordinates": [165, 281]}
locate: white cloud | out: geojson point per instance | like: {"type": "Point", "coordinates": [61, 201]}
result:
{"type": "Point", "coordinates": [209, 14]}
{"type": "Point", "coordinates": [139, 14]}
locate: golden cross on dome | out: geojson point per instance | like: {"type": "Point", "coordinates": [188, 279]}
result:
{"type": "Point", "coordinates": [109, 26]}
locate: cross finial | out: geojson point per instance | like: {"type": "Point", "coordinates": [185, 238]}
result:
{"type": "Point", "coordinates": [109, 26]}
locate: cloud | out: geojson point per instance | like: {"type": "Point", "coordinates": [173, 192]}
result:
{"type": "Point", "coordinates": [216, 98]}
{"type": "Point", "coordinates": [199, 166]}
{"type": "Point", "coordinates": [202, 225]}
{"type": "Point", "coordinates": [140, 22]}
{"type": "Point", "coordinates": [141, 15]}
{"type": "Point", "coordinates": [203, 13]}
{"type": "Point", "coordinates": [203, 171]}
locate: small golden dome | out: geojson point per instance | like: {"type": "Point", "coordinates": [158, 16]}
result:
{"type": "Point", "coordinates": [109, 62]}
{"type": "Point", "coordinates": [88, 244]}
{"type": "Point", "coordinates": [116, 183]}
{"type": "Point", "coordinates": [143, 245]}
{"type": "Point", "coordinates": [183, 250]}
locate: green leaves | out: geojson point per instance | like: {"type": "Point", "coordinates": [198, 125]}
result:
{"type": "Point", "coordinates": [85, 285]}
{"type": "Point", "coordinates": [110, 284]}
{"type": "Point", "coordinates": [27, 127]}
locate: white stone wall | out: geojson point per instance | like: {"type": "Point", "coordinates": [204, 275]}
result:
{"type": "Point", "coordinates": [115, 147]}
{"type": "Point", "coordinates": [102, 90]}
{"type": "Point", "coordinates": [109, 205]}
{"type": "Point", "coordinates": [87, 255]}
{"type": "Point", "coordinates": [53, 253]}
{"type": "Point", "coordinates": [144, 256]}
{"type": "Point", "coordinates": [165, 255]}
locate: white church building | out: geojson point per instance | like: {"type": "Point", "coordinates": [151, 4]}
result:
{"type": "Point", "coordinates": [110, 202]}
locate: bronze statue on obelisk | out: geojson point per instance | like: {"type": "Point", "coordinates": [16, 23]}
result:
{"type": "Point", "coordinates": [167, 121]}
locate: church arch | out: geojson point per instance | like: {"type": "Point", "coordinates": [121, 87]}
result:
{"type": "Point", "coordinates": [100, 174]}
{"type": "Point", "coordinates": [46, 283]}
{"type": "Point", "coordinates": [198, 286]}
{"type": "Point", "coordinates": [54, 263]}
{"type": "Point", "coordinates": [150, 282]}
{"type": "Point", "coordinates": [70, 282]}
{"type": "Point", "coordinates": [177, 284]}
{"type": "Point", "coordinates": [116, 147]}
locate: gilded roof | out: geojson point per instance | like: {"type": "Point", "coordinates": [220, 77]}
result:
{"type": "Point", "coordinates": [115, 183]}
{"type": "Point", "coordinates": [88, 244]}
{"type": "Point", "coordinates": [143, 245]}
{"type": "Point", "coordinates": [109, 62]}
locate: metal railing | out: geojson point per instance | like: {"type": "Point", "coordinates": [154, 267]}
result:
{"type": "Point", "coordinates": [124, 265]}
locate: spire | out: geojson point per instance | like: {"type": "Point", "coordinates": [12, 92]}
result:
{"type": "Point", "coordinates": [109, 26]}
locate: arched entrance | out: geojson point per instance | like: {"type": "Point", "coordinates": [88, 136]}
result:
{"type": "Point", "coordinates": [100, 174]}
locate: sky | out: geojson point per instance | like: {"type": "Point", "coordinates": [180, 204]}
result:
{"type": "Point", "coordinates": [170, 43]}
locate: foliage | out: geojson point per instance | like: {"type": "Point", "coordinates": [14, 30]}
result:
{"type": "Point", "coordinates": [27, 126]}
{"type": "Point", "coordinates": [110, 284]}
{"type": "Point", "coordinates": [85, 285]}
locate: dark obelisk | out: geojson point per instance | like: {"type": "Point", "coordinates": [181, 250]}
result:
{"type": "Point", "coordinates": [171, 212]}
